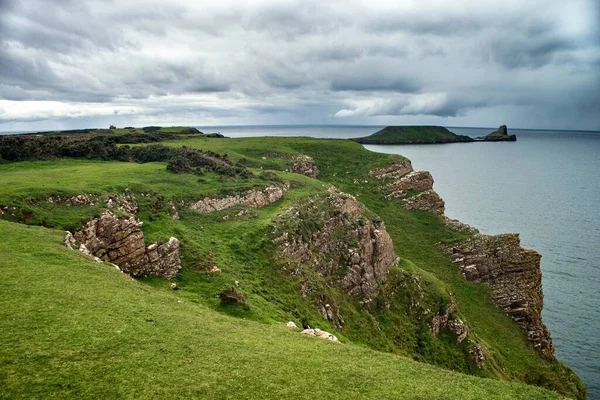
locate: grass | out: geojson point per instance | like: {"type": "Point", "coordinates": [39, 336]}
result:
{"type": "Point", "coordinates": [243, 251]}
{"type": "Point", "coordinates": [73, 328]}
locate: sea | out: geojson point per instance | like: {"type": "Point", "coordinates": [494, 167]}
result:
{"type": "Point", "coordinates": [546, 186]}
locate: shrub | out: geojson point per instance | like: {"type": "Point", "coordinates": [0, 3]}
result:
{"type": "Point", "coordinates": [179, 164]}
{"type": "Point", "coordinates": [230, 295]}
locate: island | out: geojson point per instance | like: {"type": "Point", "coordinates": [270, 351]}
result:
{"type": "Point", "coordinates": [425, 134]}
{"type": "Point", "coordinates": [500, 135]}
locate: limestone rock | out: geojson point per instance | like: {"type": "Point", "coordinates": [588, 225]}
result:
{"type": "Point", "coordinates": [320, 334]}
{"type": "Point", "coordinates": [305, 165]}
{"type": "Point", "coordinates": [333, 234]}
{"type": "Point", "coordinates": [393, 171]}
{"type": "Point", "coordinates": [477, 355]}
{"type": "Point", "coordinates": [120, 240]}
{"type": "Point", "coordinates": [515, 277]}
{"type": "Point", "coordinates": [428, 200]}
{"type": "Point", "coordinates": [446, 320]}
{"type": "Point", "coordinates": [400, 178]}
{"type": "Point", "coordinates": [253, 198]}
{"type": "Point", "coordinates": [291, 324]}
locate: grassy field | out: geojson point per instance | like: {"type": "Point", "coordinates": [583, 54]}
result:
{"type": "Point", "coordinates": [73, 328]}
{"type": "Point", "coordinates": [243, 251]}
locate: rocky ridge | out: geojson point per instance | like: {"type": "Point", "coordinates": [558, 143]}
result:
{"type": "Point", "coordinates": [515, 277]}
{"type": "Point", "coordinates": [414, 188]}
{"type": "Point", "coordinates": [336, 237]}
{"type": "Point", "coordinates": [513, 273]}
{"type": "Point", "coordinates": [120, 241]}
{"type": "Point", "coordinates": [255, 198]}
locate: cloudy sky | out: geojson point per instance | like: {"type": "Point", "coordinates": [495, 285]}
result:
{"type": "Point", "coordinates": [84, 63]}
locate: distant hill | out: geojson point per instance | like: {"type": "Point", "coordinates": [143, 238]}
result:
{"type": "Point", "coordinates": [413, 135]}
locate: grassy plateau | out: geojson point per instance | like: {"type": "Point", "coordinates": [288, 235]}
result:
{"type": "Point", "coordinates": [74, 328]}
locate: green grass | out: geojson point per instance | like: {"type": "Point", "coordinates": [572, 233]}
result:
{"type": "Point", "coordinates": [73, 328]}
{"type": "Point", "coordinates": [244, 253]}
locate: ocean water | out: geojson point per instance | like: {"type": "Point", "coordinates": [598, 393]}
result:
{"type": "Point", "coordinates": [546, 186]}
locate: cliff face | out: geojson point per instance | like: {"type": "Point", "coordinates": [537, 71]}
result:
{"type": "Point", "coordinates": [120, 240]}
{"type": "Point", "coordinates": [339, 241]}
{"type": "Point", "coordinates": [514, 275]}
{"type": "Point", "coordinates": [414, 188]}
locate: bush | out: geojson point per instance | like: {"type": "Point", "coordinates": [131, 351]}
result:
{"type": "Point", "coordinates": [151, 128]}
{"type": "Point", "coordinates": [179, 164]}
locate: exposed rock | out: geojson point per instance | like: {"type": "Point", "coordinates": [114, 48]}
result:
{"type": "Point", "coordinates": [77, 200]}
{"type": "Point", "coordinates": [119, 240]}
{"type": "Point", "coordinates": [333, 234]}
{"type": "Point", "coordinates": [255, 198]}
{"type": "Point", "coordinates": [513, 274]}
{"type": "Point", "coordinates": [124, 202]}
{"type": "Point", "coordinates": [446, 320]}
{"type": "Point", "coordinates": [393, 171]}
{"type": "Point", "coordinates": [428, 200]}
{"type": "Point", "coordinates": [401, 181]}
{"type": "Point", "coordinates": [292, 324]}
{"type": "Point", "coordinates": [477, 355]}
{"type": "Point", "coordinates": [305, 165]}
{"type": "Point", "coordinates": [320, 334]}
{"type": "Point", "coordinates": [414, 180]}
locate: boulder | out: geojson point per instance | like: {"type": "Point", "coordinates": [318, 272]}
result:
{"type": "Point", "coordinates": [120, 241]}
{"type": "Point", "coordinates": [320, 334]}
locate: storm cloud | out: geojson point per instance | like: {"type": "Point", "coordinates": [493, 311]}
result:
{"type": "Point", "coordinates": [85, 63]}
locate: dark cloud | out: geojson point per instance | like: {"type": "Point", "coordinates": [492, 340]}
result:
{"type": "Point", "coordinates": [371, 81]}
{"type": "Point", "coordinates": [301, 61]}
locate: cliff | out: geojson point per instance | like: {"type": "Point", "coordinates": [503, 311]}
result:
{"type": "Point", "coordinates": [513, 273]}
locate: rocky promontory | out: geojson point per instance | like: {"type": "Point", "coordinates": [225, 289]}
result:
{"type": "Point", "coordinates": [500, 135]}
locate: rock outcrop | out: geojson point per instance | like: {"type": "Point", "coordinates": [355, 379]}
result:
{"type": "Point", "coordinates": [414, 188]}
{"type": "Point", "coordinates": [500, 135]}
{"type": "Point", "coordinates": [445, 319]}
{"type": "Point", "coordinates": [320, 334]}
{"type": "Point", "coordinates": [305, 165]}
{"type": "Point", "coordinates": [124, 202]}
{"type": "Point", "coordinates": [255, 198]}
{"type": "Point", "coordinates": [339, 241]}
{"type": "Point", "coordinates": [120, 240]}
{"type": "Point", "coordinates": [513, 274]}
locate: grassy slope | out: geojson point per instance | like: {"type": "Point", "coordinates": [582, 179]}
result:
{"type": "Point", "coordinates": [73, 328]}
{"type": "Point", "coordinates": [241, 256]}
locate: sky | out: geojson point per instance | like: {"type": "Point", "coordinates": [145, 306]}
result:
{"type": "Point", "coordinates": [80, 63]}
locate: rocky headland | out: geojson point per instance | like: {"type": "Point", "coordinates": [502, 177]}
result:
{"type": "Point", "coordinates": [414, 134]}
